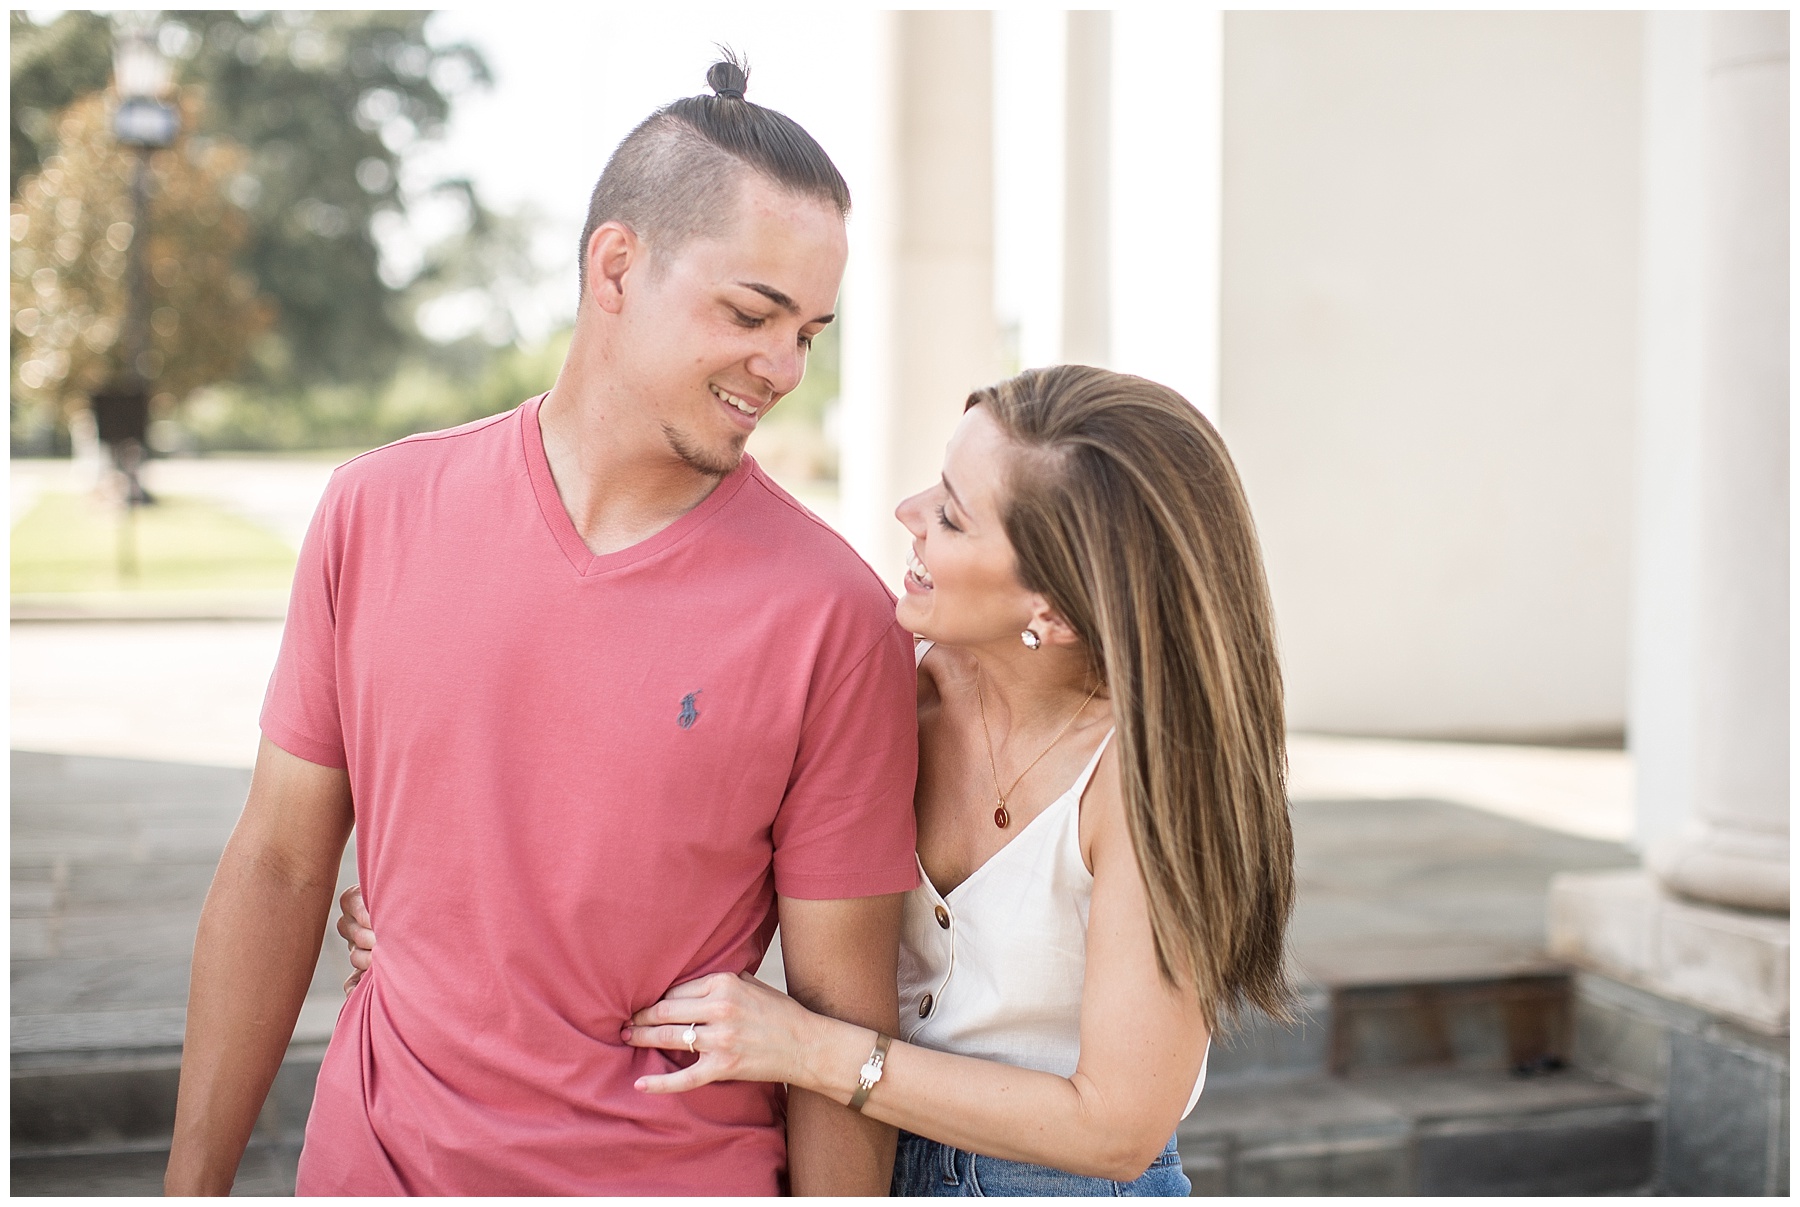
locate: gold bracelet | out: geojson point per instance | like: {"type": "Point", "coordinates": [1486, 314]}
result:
{"type": "Point", "coordinates": [870, 1073]}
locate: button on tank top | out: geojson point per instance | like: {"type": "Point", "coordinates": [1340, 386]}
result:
{"type": "Point", "coordinates": [994, 967]}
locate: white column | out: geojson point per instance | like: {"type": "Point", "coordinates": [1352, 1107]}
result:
{"type": "Point", "coordinates": [919, 326]}
{"type": "Point", "coordinates": [1709, 695]}
{"type": "Point", "coordinates": [1665, 557]}
{"type": "Point", "coordinates": [1167, 115]}
{"type": "Point", "coordinates": [1087, 192]}
{"type": "Point", "coordinates": [1734, 848]}
{"type": "Point", "coordinates": [1030, 70]}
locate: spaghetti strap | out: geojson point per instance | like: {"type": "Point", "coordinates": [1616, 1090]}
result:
{"type": "Point", "coordinates": [1079, 788]}
{"type": "Point", "coordinates": [1093, 763]}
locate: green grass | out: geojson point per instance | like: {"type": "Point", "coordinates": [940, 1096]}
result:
{"type": "Point", "coordinates": [71, 543]}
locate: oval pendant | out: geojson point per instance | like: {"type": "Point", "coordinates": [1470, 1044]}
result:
{"type": "Point", "coordinates": [1001, 816]}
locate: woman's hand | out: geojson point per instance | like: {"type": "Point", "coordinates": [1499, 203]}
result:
{"type": "Point", "coordinates": [356, 927]}
{"type": "Point", "coordinates": [743, 1031]}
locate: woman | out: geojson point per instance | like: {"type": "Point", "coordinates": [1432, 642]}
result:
{"type": "Point", "coordinates": [1103, 834]}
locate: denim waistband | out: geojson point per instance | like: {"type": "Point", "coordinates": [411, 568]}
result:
{"type": "Point", "coordinates": [926, 1168]}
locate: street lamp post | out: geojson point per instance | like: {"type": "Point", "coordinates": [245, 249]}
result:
{"type": "Point", "coordinates": [145, 123]}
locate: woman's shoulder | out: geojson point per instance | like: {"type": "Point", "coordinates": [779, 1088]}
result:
{"type": "Point", "coordinates": [945, 673]}
{"type": "Point", "coordinates": [929, 660]}
{"type": "Point", "coordinates": [1103, 826]}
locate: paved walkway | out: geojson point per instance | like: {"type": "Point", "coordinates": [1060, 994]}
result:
{"type": "Point", "coordinates": [171, 691]}
{"type": "Point", "coordinates": [1582, 792]}
{"type": "Point", "coordinates": [111, 860]}
{"type": "Point", "coordinates": [1419, 890]}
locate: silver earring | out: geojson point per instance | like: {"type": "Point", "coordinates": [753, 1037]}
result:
{"type": "Point", "coordinates": [1031, 639]}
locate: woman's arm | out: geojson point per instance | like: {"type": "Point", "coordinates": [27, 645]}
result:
{"type": "Point", "coordinates": [1142, 1043]}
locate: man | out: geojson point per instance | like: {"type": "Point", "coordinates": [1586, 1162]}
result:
{"type": "Point", "coordinates": [602, 702]}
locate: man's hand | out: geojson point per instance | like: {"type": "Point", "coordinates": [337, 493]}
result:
{"type": "Point", "coordinates": [259, 939]}
{"type": "Point", "coordinates": [841, 959]}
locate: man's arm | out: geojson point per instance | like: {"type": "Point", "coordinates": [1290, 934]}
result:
{"type": "Point", "coordinates": [841, 958]}
{"type": "Point", "coordinates": [259, 939]}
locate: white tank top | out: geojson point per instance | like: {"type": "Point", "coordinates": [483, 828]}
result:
{"type": "Point", "coordinates": [994, 968]}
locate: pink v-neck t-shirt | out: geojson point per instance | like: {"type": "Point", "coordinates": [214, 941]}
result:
{"type": "Point", "coordinates": [579, 780]}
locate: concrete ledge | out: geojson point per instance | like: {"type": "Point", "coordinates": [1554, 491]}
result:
{"type": "Point", "coordinates": [268, 1169]}
{"type": "Point", "coordinates": [1255, 1048]}
{"type": "Point", "coordinates": [1625, 925]}
{"type": "Point", "coordinates": [1439, 1132]}
{"type": "Point", "coordinates": [1723, 1087]}
{"type": "Point", "coordinates": [106, 1031]}
{"type": "Point", "coordinates": [99, 1031]}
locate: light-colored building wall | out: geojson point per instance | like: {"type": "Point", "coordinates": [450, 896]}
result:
{"type": "Point", "coordinates": [1428, 358]}
{"type": "Point", "coordinates": [919, 326]}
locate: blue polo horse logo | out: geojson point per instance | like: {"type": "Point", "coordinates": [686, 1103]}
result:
{"type": "Point", "coordinates": [689, 714]}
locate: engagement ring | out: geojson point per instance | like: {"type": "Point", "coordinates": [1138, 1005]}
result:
{"type": "Point", "coordinates": [689, 1036]}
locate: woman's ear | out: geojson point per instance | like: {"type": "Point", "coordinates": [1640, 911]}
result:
{"type": "Point", "coordinates": [1049, 625]}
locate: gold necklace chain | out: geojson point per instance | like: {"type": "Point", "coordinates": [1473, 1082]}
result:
{"type": "Point", "coordinates": [1001, 817]}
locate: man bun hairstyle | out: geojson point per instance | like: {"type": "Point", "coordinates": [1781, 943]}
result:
{"type": "Point", "coordinates": [672, 178]}
{"type": "Point", "coordinates": [1125, 512]}
{"type": "Point", "coordinates": [728, 78]}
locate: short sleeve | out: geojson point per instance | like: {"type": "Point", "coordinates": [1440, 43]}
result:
{"type": "Point", "coordinates": [300, 709]}
{"type": "Point", "coordinates": [845, 827]}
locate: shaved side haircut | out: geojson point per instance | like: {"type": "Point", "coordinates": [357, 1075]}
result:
{"type": "Point", "coordinates": [674, 177]}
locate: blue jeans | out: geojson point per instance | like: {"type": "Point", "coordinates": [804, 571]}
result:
{"type": "Point", "coordinates": [926, 1169]}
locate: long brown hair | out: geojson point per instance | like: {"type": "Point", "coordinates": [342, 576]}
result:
{"type": "Point", "coordinates": [1126, 514]}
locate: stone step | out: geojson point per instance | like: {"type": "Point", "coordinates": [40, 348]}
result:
{"type": "Point", "coordinates": [100, 1122]}
{"type": "Point", "coordinates": [113, 1111]}
{"type": "Point", "coordinates": [1433, 1132]}
{"type": "Point", "coordinates": [1256, 1048]}
{"type": "Point", "coordinates": [1510, 1020]}
{"type": "Point", "coordinates": [107, 1098]}
{"type": "Point", "coordinates": [1422, 1132]}
{"type": "Point", "coordinates": [137, 1170]}
{"type": "Point", "coordinates": [1518, 1023]}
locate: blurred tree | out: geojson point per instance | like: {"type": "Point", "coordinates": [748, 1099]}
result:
{"type": "Point", "coordinates": [71, 228]}
{"type": "Point", "coordinates": [51, 66]}
{"type": "Point", "coordinates": [427, 392]}
{"type": "Point", "coordinates": [326, 105]}
{"type": "Point", "coordinates": [464, 294]}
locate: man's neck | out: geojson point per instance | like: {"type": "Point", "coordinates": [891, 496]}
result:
{"type": "Point", "coordinates": [617, 477]}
